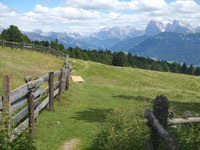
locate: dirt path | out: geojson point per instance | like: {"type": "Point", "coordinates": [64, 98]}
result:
{"type": "Point", "coordinates": [70, 145]}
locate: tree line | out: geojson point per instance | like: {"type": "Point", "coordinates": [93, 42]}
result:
{"type": "Point", "coordinates": [104, 56]}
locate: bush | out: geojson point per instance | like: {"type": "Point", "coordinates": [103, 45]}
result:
{"type": "Point", "coordinates": [22, 142]}
{"type": "Point", "coordinates": [122, 130]}
{"type": "Point", "coordinates": [187, 135]}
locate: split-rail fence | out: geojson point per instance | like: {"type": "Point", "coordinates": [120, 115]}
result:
{"type": "Point", "coordinates": [25, 103]}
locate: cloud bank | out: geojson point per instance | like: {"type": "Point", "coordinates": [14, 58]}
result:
{"type": "Point", "coordinates": [86, 16]}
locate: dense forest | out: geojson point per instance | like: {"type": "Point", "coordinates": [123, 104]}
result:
{"type": "Point", "coordinates": [104, 56]}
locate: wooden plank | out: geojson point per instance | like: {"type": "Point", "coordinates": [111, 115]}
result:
{"type": "Point", "coordinates": [45, 78]}
{"type": "Point", "coordinates": [19, 116]}
{"type": "Point", "coordinates": [65, 74]}
{"type": "Point", "coordinates": [23, 101]}
{"type": "Point", "coordinates": [19, 92]}
{"type": "Point", "coordinates": [56, 84]}
{"type": "Point", "coordinates": [55, 92]}
{"type": "Point", "coordinates": [178, 121]}
{"type": "Point", "coordinates": [31, 115]}
{"type": "Point", "coordinates": [68, 78]}
{"type": "Point", "coordinates": [1, 100]}
{"type": "Point", "coordinates": [57, 74]}
{"type": "Point", "coordinates": [34, 84]}
{"type": "Point", "coordinates": [6, 95]}
{"type": "Point", "coordinates": [168, 139]}
{"type": "Point", "coordinates": [45, 91]}
{"type": "Point", "coordinates": [20, 129]}
{"type": "Point", "coordinates": [51, 92]}
{"type": "Point", "coordinates": [61, 83]}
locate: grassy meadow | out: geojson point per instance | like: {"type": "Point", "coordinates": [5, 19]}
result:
{"type": "Point", "coordinates": [106, 88]}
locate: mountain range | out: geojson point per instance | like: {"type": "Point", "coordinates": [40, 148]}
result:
{"type": "Point", "coordinates": [174, 41]}
{"type": "Point", "coordinates": [111, 36]}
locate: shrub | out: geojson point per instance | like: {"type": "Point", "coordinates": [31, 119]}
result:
{"type": "Point", "coordinates": [22, 142]}
{"type": "Point", "coordinates": [187, 135]}
{"type": "Point", "coordinates": [122, 130]}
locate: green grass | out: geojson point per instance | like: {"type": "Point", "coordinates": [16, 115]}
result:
{"type": "Point", "coordinates": [85, 105]}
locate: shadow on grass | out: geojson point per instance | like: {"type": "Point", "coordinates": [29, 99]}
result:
{"type": "Point", "coordinates": [180, 107]}
{"type": "Point", "coordinates": [128, 97]}
{"type": "Point", "coordinates": [92, 115]}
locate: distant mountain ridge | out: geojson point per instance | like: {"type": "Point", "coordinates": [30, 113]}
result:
{"type": "Point", "coordinates": [111, 37]}
{"type": "Point", "coordinates": [171, 46]}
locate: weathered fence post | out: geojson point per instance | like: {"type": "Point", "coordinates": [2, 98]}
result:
{"type": "Point", "coordinates": [61, 83]}
{"type": "Point", "coordinates": [51, 91]}
{"type": "Point", "coordinates": [31, 109]}
{"type": "Point", "coordinates": [160, 110]}
{"type": "Point", "coordinates": [69, 69]}
{"type": "Point", "coordinates": [23, 44]}
{"type": "Point", "coordinates": [6, 96]}
{"type": "Point", "coordinates": [3, 42]}
{"type": "Point", "coordinates": [158, 123]}
{"type": "Point", "coordinates": [31, 114]}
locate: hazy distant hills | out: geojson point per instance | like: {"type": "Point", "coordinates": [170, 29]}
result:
{"type": "Point", "coordinates": [171, 46]}
{"type": "Point", "coordinates": [129, 43]}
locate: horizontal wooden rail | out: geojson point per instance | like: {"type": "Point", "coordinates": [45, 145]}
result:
{"type": "Point", "coordinates": [177, 121]}
{"type": "Point", "coordinates": [26, 101]}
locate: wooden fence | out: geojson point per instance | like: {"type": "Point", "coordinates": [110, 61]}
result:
{"type": "Point", "coordinates": [33, 47]}
{"type": "Point", "coordinates": [158, 122]}
{"type": "Point", "coordinates": [27, 101]}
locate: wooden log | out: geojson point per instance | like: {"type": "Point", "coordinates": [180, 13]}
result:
{"type": "Point", "coordinates": [31, 114]}
{"type": "Point", "coordinates": [168, 139]}
{"type": "Point", "coordinates": [61, 83]}
{"type": "Point", "coordinates": [51, 102]}
{"type": "Point", "coordinates": [178, 121]}
{"type": "Point", "coordinates": [6, 96]}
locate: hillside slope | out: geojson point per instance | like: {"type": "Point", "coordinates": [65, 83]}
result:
{"type": "Point", "coordinates": [106, 88]}
{"type": "Point", "coordinates": [21, 63]}
{"type": "Point", "coordinates": [85, 105]}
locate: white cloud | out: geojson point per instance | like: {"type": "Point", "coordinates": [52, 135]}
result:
{"type": "Point", "coordinates": [86, 16]}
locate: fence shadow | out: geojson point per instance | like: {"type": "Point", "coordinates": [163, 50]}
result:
{"type": "Point", "coordinates": [180, 107]}
{"type": "Point", "coordinates": [130, 97]}
{"type": "Point", "coordinates": [92, 115]}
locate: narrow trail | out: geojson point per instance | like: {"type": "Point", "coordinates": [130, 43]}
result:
{"type": "Point", "coordinates": [70, 145]}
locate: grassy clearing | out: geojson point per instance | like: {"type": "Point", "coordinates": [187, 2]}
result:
{"type": "Point", "coordinates": [85, 105]}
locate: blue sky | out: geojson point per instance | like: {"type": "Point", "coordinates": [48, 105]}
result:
{"type": "Point", "coordinates": [86, 16]}
{"type": "Point", "coordinates": [28, 5]}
